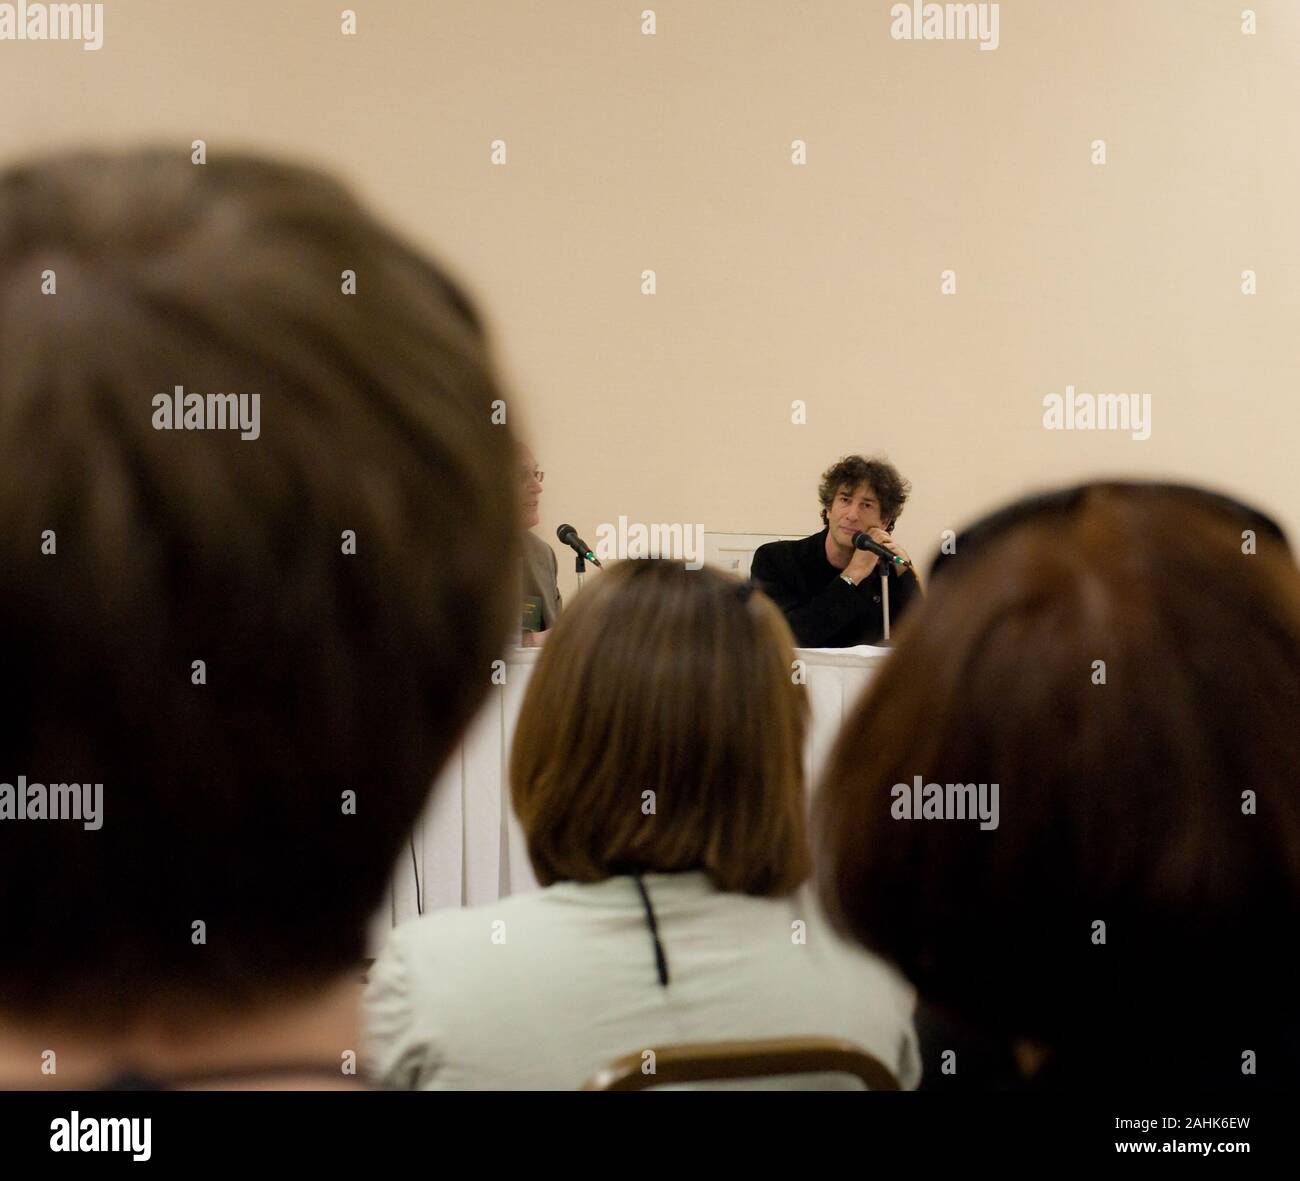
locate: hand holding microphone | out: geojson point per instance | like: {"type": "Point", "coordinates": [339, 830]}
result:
{"type": "Point", "coordinates": [879, 543]}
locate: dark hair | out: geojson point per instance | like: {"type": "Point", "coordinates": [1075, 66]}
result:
{"type": "Point", "coordinates": [1060, 504]}
{"type": "Point", "coordinates": [659, 678]}
{"type": "Point", "coordinates": [326, 671]}
{"type": "Point", "coordinates": [1121, 783]}
{"type": "Point", "coordinates": [879, 474]}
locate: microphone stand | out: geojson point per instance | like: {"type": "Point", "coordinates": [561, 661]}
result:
{"type": "Point", "coordinates": [580, 568]}
{"type": "Point", "coordinates": [885, 573]}
{"type": "Point", "coordinates": [886, 563]}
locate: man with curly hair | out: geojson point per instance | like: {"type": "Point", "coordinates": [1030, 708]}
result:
{"type": "Point", "coordinates": [830, 592]}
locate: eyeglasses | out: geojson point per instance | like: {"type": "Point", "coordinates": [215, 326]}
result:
{"type": "Point", "coordinates": [531, 473]}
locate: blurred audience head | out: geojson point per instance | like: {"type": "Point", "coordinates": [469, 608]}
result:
{"type": "Point", "coordinates": [662, 732]}
{"type": "Point", "coordinates": [263, 644]}
{"type": "Point", "coordinates": [1123, 662]}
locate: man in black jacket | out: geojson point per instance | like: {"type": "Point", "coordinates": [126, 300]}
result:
{"type": "Point", "coordinates": [829, 591]}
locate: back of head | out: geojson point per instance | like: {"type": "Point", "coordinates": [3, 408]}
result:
{"type": "Point", "coordinates": [1124, 663]}
{"type": "Point", "coordinates": [662, 732]}
{"type": "Point", "coordinates": [229, 629]}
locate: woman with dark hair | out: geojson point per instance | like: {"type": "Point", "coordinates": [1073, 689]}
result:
{"type": "Point", "coordinates": [249, 641]}
{"type": "Point", "coordinates": [1115, 669]}
{"type": "Point", "coordinates": [657, 772]}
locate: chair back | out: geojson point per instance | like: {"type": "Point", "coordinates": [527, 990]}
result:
{"type": "Point", "coordinates": [700, 1062]}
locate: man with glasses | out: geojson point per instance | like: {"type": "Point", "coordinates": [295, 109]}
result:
{"type": "Point", "coordinates": [541, 594]}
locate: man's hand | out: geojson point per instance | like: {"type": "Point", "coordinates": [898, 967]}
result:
{"type": "Point", "coordinates": [864, 562]}
{"type": "Point", "coordinates": [535, 639]}
{"type": "Point", "coordinates": [861, 565]}
{"type": "Point", "coordinates": [889, 543]}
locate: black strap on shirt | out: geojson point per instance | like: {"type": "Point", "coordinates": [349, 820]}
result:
{"type": "Point", "coordinates": [661, 961]}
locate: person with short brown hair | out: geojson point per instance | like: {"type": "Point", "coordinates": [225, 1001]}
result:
{"type": "Point", "coordinates": [689, 689]}
{"type": "Point", "coordinates": [657, 771]}
{"type": "Point", "coordinates": [1116, 667]}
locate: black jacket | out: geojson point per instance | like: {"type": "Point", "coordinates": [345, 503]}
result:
{"type": "Point", "coordinates": [822, 609]}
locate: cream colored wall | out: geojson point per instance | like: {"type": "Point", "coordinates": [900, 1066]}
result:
{"type": "Point", "coordinates": [778, 282]}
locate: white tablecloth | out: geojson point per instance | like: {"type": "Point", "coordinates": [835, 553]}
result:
{"type": "Point", "coordinates": [468, 847]}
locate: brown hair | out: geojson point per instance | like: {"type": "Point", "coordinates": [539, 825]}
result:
{"type": "Point", "coordinates": [677, 682]}
{"type": "Point", "coordinates": [1121, 784]}
{"type": "Point", "coordinates": [328, 670]}
{"type": "Point", "coordinates": [880, 475]}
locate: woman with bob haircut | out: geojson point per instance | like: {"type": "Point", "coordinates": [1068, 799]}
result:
{"type": "Point", "coordinates": [657, 773]}
{"type": "Point", "coordinates": [1122, 662]}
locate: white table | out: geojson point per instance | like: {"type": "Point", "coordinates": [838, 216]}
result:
{"type": "Point", "coordinates": [468, 848]}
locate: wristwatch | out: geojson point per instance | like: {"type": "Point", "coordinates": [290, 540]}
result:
{"type": "Point", "coordinates": [848, 580]}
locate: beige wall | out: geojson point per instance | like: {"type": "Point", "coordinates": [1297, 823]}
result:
{"type": "Point", "coordinates": [778, 282]}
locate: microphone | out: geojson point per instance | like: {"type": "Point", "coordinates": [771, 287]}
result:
{"type": "Point", "coordinates": [569, 536]}
{"type": "Point", "coordinates": [872, 546]}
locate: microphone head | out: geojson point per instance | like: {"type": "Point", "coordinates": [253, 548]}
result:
{"type": "Point", "coordinates": [568, 535]}
{"type": "Point", "coordinates": [865, 541]}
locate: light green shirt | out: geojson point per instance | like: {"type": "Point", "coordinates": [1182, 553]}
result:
{"type": "Point", "coordinates": [542, 990]}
